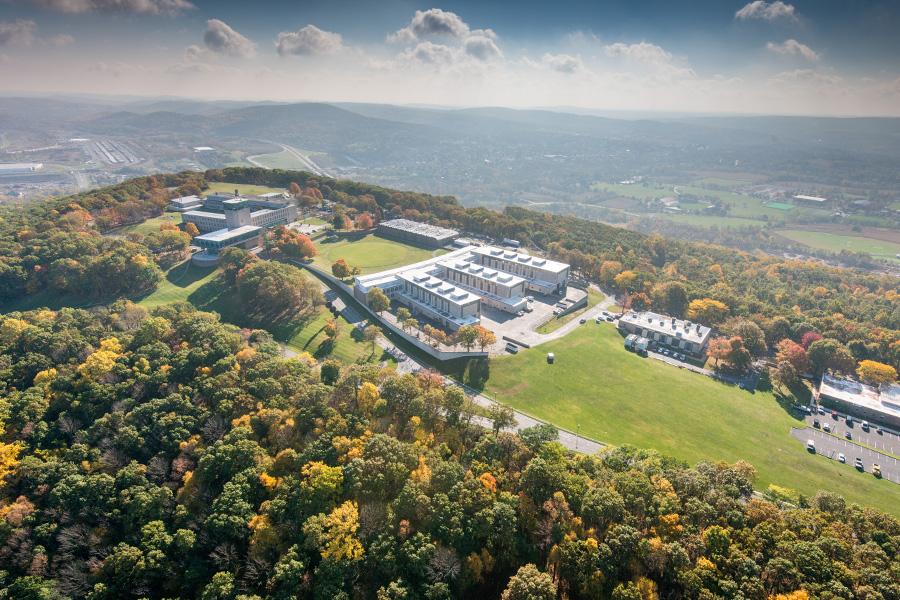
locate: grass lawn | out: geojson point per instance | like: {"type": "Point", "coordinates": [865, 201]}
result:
{"type": "Point", "coordinates": [350, 347]}
{"type": "Point", "coordinates": [280, 160]}
{"type": "Point", "coordinates": [314, 221]}
{"type": "Point", "coordinates": [179, 283]}
{"type": "Point", "coordinates": [713, 220]}
{"type": "Point", "coordinates": [371, 254]}
{"type": "Point", "coordinates": [553, 324]}
{"type": "Point", "coordinates": [605, 392]}
{"type": "Point", "coordinates": [243, 188]}
{"type": "Point", "coordinates": [835, 242]}
{"type": "Point", "coordinates": [150, 225]}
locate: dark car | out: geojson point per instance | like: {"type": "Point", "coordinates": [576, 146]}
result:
{"type": "Point", "coordinates": [582, 321]}
{"type": "Point", "coordinates": [848, 435]}
{"type": "Point", "coordinates": [834, 414]}
{"type": "Point", "coordinates": [816, 424]}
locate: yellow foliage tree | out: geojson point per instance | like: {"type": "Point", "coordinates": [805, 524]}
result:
{"type": "Point", "coordinates": [876, 373]}
{"type": "Point", "coordinates": [366, 397]}
{"type": "Point", "coordinates": [11, 329]}
{"type": "Point", "coordinates": [9, 458]}
{"type": "Point", "coordinates": [101, 362]}
{"type": "Point", "coordinates": [340, 527]}
{"type": "Point", "coordinates": [795, 595]}
{"type": "Point", "coordinates": [707, 310]}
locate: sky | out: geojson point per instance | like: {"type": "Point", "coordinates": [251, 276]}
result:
{"type": "Point", "coordinates": [816, 57]}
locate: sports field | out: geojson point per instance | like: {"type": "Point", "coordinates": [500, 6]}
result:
{"type": "Point", "coordinates": [599, 389]}
{"type": "Point", "coordinates": [371, 254]}
{"type": "Point", "coordinates": [835, 242]}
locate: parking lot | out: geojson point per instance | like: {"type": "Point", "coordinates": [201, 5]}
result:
{"type": "Point", "coordinates": [871, 447]}
{"type": "Point", "coordinates": [523, 329]}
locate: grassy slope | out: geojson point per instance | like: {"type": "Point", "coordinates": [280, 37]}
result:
{"type": "Point", "coordinates": [835, 242]}
{"type": "Point", "coordinates": [370, 254]}
{"type": "Point", "coordinates": [553, 324]}
{"type": "Point", "coordinates": [187, 283]}
{"type": "Point", "coordinates": [612, 395]}
{"type": "Point", "coordinates": [150, 225]}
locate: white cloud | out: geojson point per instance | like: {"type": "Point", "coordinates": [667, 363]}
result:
{"type": "Point", "coordinates": [482, 47]}
{"type": "Point", "coordinates": [150, 7]}
{"type": "Point", "coordinates": [805, 77]}
{"type": "Point", "coordinates": [562, 63]}
{"type": "Point", "coordinates": [793, 48]}
{"type": "Point", "coordinates": [219, 38]}
{"type": "Point", "coordinates": [431, 22]}
{"type": "Point", "coordinates": [17, 33]}
{"type": "Point", "coordinates": [308, 40]}
{"type": "Point", "coordinates": [431, 53]}
{"type": "Point", "coordinates": [644, 52]}
{"type": "Point", "coordinates": [767, 11]}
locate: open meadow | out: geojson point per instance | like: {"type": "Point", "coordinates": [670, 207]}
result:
{"type": "Point", "coordinates": [371, 254]}
{"type": "Point", "coordinates": [604, 392]}
{"type": "Point", "coordinates": [242, 188]}
{"type": "Point", "coordinates": [837, 241]}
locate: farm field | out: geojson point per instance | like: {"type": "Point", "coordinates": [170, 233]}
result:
{"type": "Point", "coordinates": [836, 241]}
{"type": "Point", "coordinates": [243, 188]}
{"type": "Point", "coordinates": [371, 254]}
{"type": "Point", "coordinates": [279, 160]}
{"type": "Point", "coordinates": [599, 389]}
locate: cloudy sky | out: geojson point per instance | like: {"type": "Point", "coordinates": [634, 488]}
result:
{"type": "Point", "coordinates": [806, 57]}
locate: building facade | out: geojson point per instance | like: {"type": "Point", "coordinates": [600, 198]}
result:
{"type": "Point", "coordinates": [541, 275]}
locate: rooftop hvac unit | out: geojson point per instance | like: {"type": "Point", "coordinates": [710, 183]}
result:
{"type": "Point", "coordinates": [420, 278]}
{"type": "Point", "coordinates": [476, 268]}
{"type": "Point", "coordinates": [509, 255]}
{"type": "Point", "coordinates": [504, 278]}
{"type": "Point", "coordinates": [524, 258]}
{"type": "Point", "coordinates": [539, 262]}
{"type": "Point", "coordinates": [432, 284]}
{"type": "Point", "coordinates": [488, 274]}
{"type": "Point", "coordinates": [462, 265]}
{"type": "Point", "coordinates": [459, 295]}
{"type": "Point", "coordinates": [496, 252]}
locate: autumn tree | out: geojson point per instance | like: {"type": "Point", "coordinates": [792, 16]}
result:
{"type": "Point", "coordinates": [364, 221]}
{"type": "Point", "coordinates": [340, 269]}
{"type": "Point", "coordinates": [707, 311]}
{"type": "Point", "coordinates": [467, 336]}
{"type": "Point", "coordinates": [876, 373]}
{"type": "Point", "coordinates": [529, 584]}
{"type": "Point", "coordinates": [485, 337]}
{"type": "Point", "coordinates": [792, 353]}
{"type": "Point", "coordinates": [377, 300]}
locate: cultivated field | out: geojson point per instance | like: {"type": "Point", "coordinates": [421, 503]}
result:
{"type": "Point", "coordinates": [370, 254]}
{"type": "Point", "coordinates": [605, 392]}
{"type": "Point", "coordinates": [837, 241]}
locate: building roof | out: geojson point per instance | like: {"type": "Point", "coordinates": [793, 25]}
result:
{"type": "Point", "coordinates": [453, 294]}
{"type": "Point", "coordinates": [523, 258]}
{"type": "Point", "coordinates": [186, 200]}
{"type": "Point", "coordinates": [475, 270]}
{"type": "Point", "coordinates": [204, 213]}
{"type": "Point", "coordinates": [887, 401]}
{"type": "Point", "coordinates": [810, 198]}
{"type": "Point", "coordinates": [223, 235]}
{"type": "Point", "coordinates": [366, 282]}
{"type": "Point", "coordinates": [693, 332]}
{"type": "Point", "coordinates": [424, 229]}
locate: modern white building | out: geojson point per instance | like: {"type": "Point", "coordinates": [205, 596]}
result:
{"type": "Point", "coordinates": [541, 275]}
{"type": "Point", "coordinates": [881, 405]}
{"type": "Point", "coordinates": [185, 203]}
{"type": "Point", "coordinates": [690, 337]}
{"type": "Point", "coordinates": [451, 289]}
{"type": "Point", "coordinates": [413, 232]}
{"type": "Point", "coordinates": [236, 212]}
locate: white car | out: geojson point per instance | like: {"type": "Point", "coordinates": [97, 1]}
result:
{"type": "Point", "coordinates": [827, 427]}
{"type": "Point", "coordinates": [841, 457]}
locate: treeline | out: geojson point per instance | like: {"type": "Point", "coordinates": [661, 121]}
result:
{"type": "Point", "coordinates": [56, 245]}
{"type": "Point", "coordinates": [860, 310]}
{"type": "Point", "coordinates": [166, 454]}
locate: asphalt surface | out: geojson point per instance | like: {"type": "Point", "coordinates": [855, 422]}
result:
{"type": "Point", "coordinates": [870, 446]}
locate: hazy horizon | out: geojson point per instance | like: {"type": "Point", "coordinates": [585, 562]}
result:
{"type": "Point", "coordinates": [817, 58]}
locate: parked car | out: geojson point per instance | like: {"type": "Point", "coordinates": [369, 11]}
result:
{"type": "Point", "coordinates": [858, 463]}
{"type": "Point", "coordinates": [664, 351]}
{"type": "Point", "coordinates": [599, 320]}
{"type": "Point", "coordinates": [821, 410]}
{"type": "Point", "coordinates": [876, 470]}
{"type": "Point", "coordinates": [848, 435]}
{"type": "Point", "coordinates": [512, 348]}
{"type": "Point", "coordinates": [865, 425]}
{"type": "Point", "coordinates": [521, 313]}
{"type": "Point", "coordinates": [879, 430]}
{"type": "Point", "coordinates": [841, 457]}
{"type": "Point", "coordinates": [816, 424]}
{"type": "Point", "coordinates": [582, 321]}
{"type": "Point", "coordinates": [550, 358]}
{"type": "Point", "coordinates": [811, 446]}
{"type": "Point", "coordinates": [827, 427]}
{"type": "Point", "coordinates": [834, 414]}
{"type": "Point", "coordinates": [850, 421]}
{"type": "Point", "coordinates": [610, 318]}
{"type": "Point", "coordinates": [556, 312]}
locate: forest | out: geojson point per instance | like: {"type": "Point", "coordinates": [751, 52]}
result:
{"type": "Point", "coordinates": [166, 454]}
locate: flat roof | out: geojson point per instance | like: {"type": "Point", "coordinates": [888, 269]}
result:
{"type": "Point", "coordinates": [810, 198]}
{"type": "Point", "coordinates": [453, 294]}
{"type": "Point", "coordinates": [522, 258]}
{"type": "Point", "coordinates": [185, 199]}
{"type": "Point", "coordinates": [222, 235]}
{"type": "Point", "coordinates": [687, 330]}
{"type": "Point", "coordinates": [886, 401]}
{"type": "Point", "coordinates": [419, 228]}
{"type": "Point", "coordinates": [476, 270]}
{"type": "Point", "coordinates": [204, 213]}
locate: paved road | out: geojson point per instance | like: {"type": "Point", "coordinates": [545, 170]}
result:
{"type": "Point", "coordinates": [830, 446]}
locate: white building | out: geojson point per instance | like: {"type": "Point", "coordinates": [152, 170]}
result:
{"type": "Point", "coordinates": [237, 212]}
{"type": "Point", "coordinates": [861, 400]}
{"type": "Point", "coordinates": [185, 203]}
{"type": "Point", "coordinates": [542, 275]}
{"type": "Point", "coordinates": [692, 338]}
{"type": "Point", "coordinates": [451, 289]}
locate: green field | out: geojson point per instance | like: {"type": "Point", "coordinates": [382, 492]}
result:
{"type": "Point", "coordinates": [242, 188]}
{"type": "Point", "coordinates": [712, 220]}
{"type": "Point", "coordinates": [150, 225]}
{"type": "Point", "coordinates": [835, 242]}
{"type": "Point", "coordinates": [371, 254]}
{"type": "Point", "coordinates": [607, 393]}
{"type": "Point", "coordinates": [280, 160]}
{"type": "Point", "coordinates": [200, 287]}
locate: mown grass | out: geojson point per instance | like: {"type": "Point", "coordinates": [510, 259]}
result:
{"type": "Point", "coordinates": [599, 389]}
{"type": "Point", "coordinates": [370, 254]}
{"type": "Point", "coordinates": [280, 160]}
{"type": "Point", "coordinates": [835, 242]}
{"type": "Point", "coordinates": [242, 188]}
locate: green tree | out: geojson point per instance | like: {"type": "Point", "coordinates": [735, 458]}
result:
{"type": "Point", "coordinates": [529, 584]}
